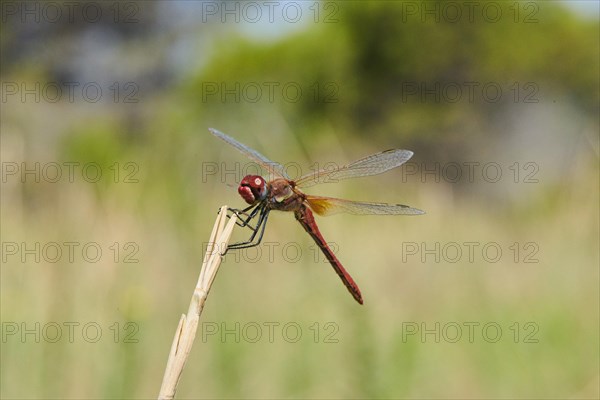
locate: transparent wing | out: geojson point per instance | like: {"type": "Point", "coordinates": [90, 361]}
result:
{"type": "Point", "coordinates": [272, 167]}
{"type": "Point", "coordinates": [371, 165]}
{"type": "Point", "coordinates": [326, 206]}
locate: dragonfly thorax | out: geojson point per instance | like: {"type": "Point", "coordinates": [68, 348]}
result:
{"type": "Point", "coordinates": [253, 188]}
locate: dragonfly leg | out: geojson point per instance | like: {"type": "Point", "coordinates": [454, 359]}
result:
{"type": "Point", "coordinates": [259, 230]}
{"type": "Point", "coordinates": [243, 217]}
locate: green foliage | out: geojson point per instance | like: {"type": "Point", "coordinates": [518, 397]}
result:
{"type": "Point", "coordinates": [376, 55]}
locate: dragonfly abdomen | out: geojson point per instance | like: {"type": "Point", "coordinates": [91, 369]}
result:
{"type": "Point", "coordinates": [307, 220]}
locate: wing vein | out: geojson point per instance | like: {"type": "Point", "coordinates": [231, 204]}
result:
{"type": "Point", "coordinates": [326, 206]}
{"type": "Point", "coordinates": [371, 165]}
{"type": "Point", "coordinates": [272, 167]}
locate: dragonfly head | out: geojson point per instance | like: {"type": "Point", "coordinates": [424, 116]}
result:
{"type": "Point", "coordinates": [253, 188]}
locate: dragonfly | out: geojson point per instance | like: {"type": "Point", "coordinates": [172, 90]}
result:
{"type": "Point", "coordinates": [283, 194]}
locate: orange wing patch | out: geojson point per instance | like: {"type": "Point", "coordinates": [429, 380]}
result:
{"type": "Point", "coordinates": [320, 205]}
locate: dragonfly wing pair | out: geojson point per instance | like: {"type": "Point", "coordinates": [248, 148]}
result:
{"type": "Point", "coordinates": [372, 165]}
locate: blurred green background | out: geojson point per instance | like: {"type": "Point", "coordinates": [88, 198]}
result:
{"type": "Point", "coordinates": [481, 87]}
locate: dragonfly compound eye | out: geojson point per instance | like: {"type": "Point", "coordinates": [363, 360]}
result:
{"type": "Point", "coordinates": [252, 188]}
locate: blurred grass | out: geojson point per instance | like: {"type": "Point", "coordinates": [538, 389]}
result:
{"type": "Point", "coordinates": [371, 358]}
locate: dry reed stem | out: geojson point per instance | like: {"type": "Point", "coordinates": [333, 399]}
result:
{"type": "Point", "coordinates": [188, 324]}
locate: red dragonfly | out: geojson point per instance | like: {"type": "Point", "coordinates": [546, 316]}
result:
{"type": "Point", "coordinates": [283, 194]}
